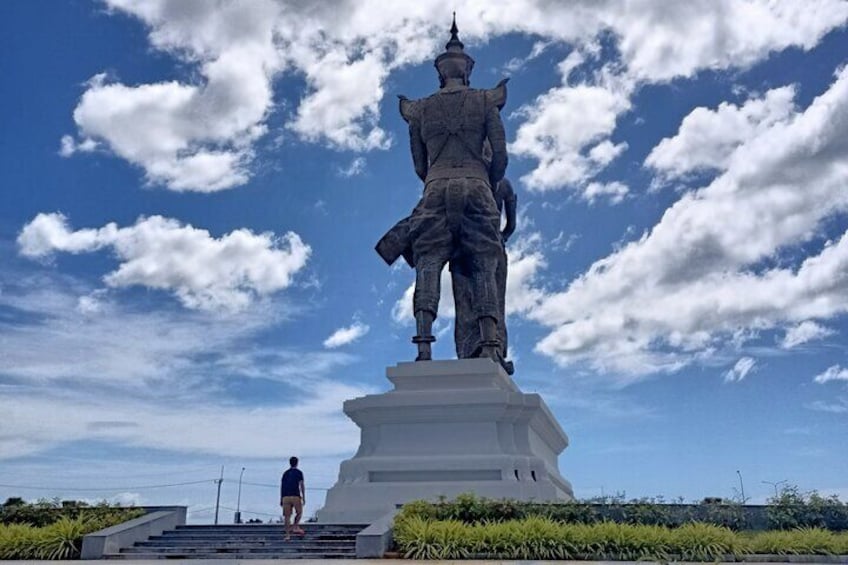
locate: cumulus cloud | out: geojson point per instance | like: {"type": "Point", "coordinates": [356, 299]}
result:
{"type": "Point", "coordinates": [202, 271]}
{"type": "Point", "coordinates": [200, 134]}
{"type": "Point", "coordinates": [346, 335]}
{"type": "Point", "coordinates": [804, 332]}
{"type": "Point", "coordinates": [707, 138]}
{"type": "Point", "coordinates": [833, 373]}
{"type": "Point", "coordinates": [567, 130]}
{"type": "Point", "coordinates": [740, 370]}
{"type": "Point", "coordinates": [693, 281]}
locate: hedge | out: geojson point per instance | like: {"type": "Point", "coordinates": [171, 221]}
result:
{"type": "Point", "coordinates": [538, 537]}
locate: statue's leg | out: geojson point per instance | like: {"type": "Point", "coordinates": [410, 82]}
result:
{"type": "Point", "coordinates": [425, 301]}
{"type": "Point", "coordinates": [486, 307]}
{"type": "Point", "coordinates": [483, 244]}
{"type": "Point", "coordinates": [431, 247]}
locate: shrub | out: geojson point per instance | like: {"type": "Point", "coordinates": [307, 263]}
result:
{"type": "Point", "coordinates": [474, 529]}
{"type": "Point", "coordinates": [61, 539]}
{"type": "Point", "coordinates": [792, 509]}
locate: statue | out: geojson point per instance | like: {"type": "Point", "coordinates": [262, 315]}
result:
{"type": "Point", "coordinates": [459, 151]}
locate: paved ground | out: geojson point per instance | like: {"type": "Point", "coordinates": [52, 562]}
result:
{"type": "Point", "coordinates": [362, 562]}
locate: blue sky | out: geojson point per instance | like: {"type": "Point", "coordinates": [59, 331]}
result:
{"type": "Point", "coordinates": [191, 193]}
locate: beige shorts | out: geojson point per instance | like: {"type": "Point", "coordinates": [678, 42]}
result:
{"type": "Point", "coordinates": [292, 502]}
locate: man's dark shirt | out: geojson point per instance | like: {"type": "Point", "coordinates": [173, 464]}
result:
{"type": "Point", "coordinates": [290, 484]}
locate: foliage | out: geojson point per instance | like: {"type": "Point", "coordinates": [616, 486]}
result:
{"type": "Point", "coordinates": [61, 538]}
{"type": "Point", "coordinates": [790, 510]}
{"type": "Point", "coordinates": [471, 527]}
{"type": "Point", "coordinates": [45, 512]}
{"type": "Point", "coordinates": [793, 509]}
{"type": "Point", "coordinates": [541, 538]}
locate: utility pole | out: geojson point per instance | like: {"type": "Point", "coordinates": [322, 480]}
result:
{"type": "Point", "coordinates": [238, 500]}
{"type": "Point", "coordinates": [741, 486]}
{"type": "Point", "coordinates": [218, 499]}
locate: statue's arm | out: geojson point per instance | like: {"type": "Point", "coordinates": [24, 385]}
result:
{"type": "Point", "coordinates": [419, 149]}
{"type": "Point", "coordinates": [497, 137]}
{"type": "Point", "coordinates": [510, 204]}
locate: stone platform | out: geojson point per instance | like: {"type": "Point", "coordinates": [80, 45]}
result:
{"type": "Point", "coordinates": [447, 427]}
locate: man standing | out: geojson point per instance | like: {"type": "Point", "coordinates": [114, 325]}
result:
{"type": "Point", "coordinates": [292, 497]}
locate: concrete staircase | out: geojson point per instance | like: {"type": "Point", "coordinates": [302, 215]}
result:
{"type": "Point", "coordinates": [247, 541]}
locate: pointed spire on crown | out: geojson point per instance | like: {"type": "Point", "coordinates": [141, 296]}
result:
{"type": "Point", "coordinates": [453, 56]}
{"type": "Point", "coordinates": [454, 45]}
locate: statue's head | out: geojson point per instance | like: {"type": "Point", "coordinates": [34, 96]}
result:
{"type": "Point", "coordinates": [454, 62]}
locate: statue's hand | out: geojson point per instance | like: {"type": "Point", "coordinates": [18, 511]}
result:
{"type": "Point", "coordinates": [507, 232]}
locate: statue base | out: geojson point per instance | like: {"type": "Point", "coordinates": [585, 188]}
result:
{"type": "Point", "coordinates": [447, 428]}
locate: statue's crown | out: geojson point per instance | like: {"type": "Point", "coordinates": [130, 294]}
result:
{"type": "Point", "coordinates": [454, 49]}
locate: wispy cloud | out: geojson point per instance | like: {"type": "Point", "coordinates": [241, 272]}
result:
{"type": "Point", "coordinates": [346, 335]}
{"type": "Point", "coordinates": [144, 377]}
{"type": "Point", "coordinates": [833, 373]}
{"type": "Point", "coordinates": [740, 370]}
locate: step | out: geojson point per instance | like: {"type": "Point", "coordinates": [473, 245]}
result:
{"type": "Point", "coordinates": [286, 545]}
{"type": "Point", "coordinates": [268, 526]}
{"type": "Point", "coordinates": [240, 549]}
{"type": "Point", "coordinates": [153, 555]}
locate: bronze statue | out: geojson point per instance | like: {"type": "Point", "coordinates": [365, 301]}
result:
{"type": "Point", "coordinates": [459, 151]}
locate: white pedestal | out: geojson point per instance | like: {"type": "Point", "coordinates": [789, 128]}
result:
{"type": "Point", "coordinates": [447, 428]}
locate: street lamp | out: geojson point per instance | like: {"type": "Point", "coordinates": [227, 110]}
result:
{"type": "Point", "coordinates": [741, 486]}
{"type": "Point", "coordinates": [776, 494]}
{"type": "Point", "coordinates": [238, 500]}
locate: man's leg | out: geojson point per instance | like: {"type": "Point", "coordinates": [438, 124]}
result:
{"type": "Point", "coordinates": [287, 512]}
{"type": "Point", "coordinates": [298, 514]}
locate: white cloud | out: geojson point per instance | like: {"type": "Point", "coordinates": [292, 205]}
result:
{"type": "Point", "coordinates": [69, 146]}
{"type": "Point", "coordinates": [833, 373]}
{"type": "Point", "coordinates": [203, 272]}
{"type": "Point", "coordinates": [346, 335]}
{"type": "Point", "coordinates": [199, 134]}
{"type": "Point", "coordinates": [517, 63]}
{"type": "Point", "coordinates": [561, 124]}
{"type": "Point", "coordinates": [615, 191]}
{"type": "Point", "coordinates": [356, 167]}
{"type": "Point", "coordinates": [689, 284]}
{"type": "Point", "coordinates": [838, 407]}
{"type": "Point", "coordinates": [707, 138]}
{"type": "Point", "coordinates": [804, 332]}
{"type": "Point", "coordinates": [130, 375]}
{"type": "Point", "coordinates": [740, 370]}
{"type": "Point", "coordinates": [316, 424]}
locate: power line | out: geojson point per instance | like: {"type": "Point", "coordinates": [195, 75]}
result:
{"type": "Point", "coordinates": [28, 487]}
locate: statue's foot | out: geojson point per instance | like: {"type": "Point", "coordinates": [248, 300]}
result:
{"type": "Point", "coordinates": [492, 352]}
{"type": "Point", "coordinates": [424, 348]}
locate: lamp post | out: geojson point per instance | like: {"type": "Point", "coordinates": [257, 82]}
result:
{"type": "Point", "coordinates": [238, 500]}
{"type": "Point", "coordinates": [776, 494]}
{"type": "Point", "coordinates": [741, 486]}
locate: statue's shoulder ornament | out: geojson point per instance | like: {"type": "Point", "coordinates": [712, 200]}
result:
{"type": "Point", "coordinates": [409, 109]}
{"type": "Point", "coordinates": [412, 109]}
{"type": "Point", "coordinates": [497, 96]}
